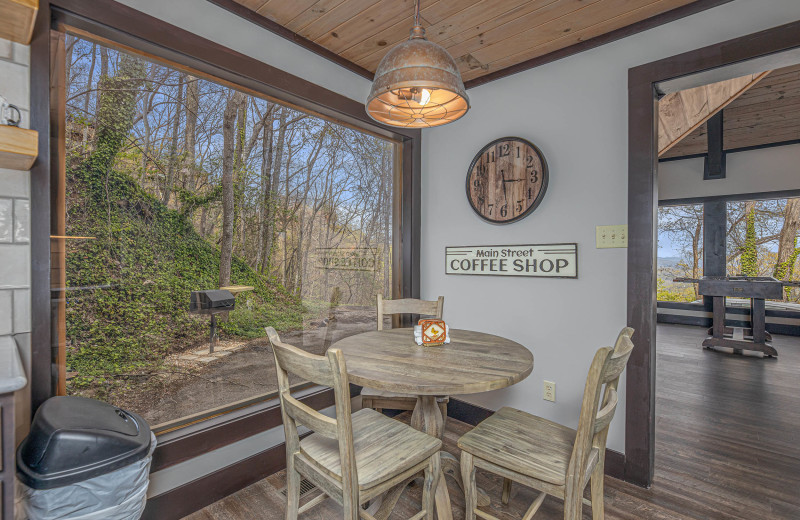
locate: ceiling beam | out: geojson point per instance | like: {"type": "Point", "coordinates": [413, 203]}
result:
{"type": "Point", "coordinates": [714, 164]}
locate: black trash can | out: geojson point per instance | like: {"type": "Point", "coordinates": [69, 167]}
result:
{"type": "Point", "coordinates": [84, 459]}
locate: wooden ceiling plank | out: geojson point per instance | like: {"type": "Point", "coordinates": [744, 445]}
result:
{"type": "Point", "coordinates": [697, 106]}
{"type": "Point", "coordinates": [745, 137]}
{"type": "Point", "coordinates": [591, 20]}
{"type": "Point", "coordinates": [380, 17]}
{"type": "Point", "coordinates": [774, 93]}
{"type": "Point", "coordinates": [282, 11]}
{"type": "Point", "coordinates": [788, 91]}
{"type": "Point", "coordinates": [333, 18]}
{"type": "Point", "coordinates": [447, 27]}
{"type": "Point", "coordinates": [573, 37]}
{"type": "Point", "coordinates": [773, 115]}
{"type": "Point", "coordinates": [385, 40]}
{"type": "Point", "coordinates": [509, 27]}
{"type": "Point", "coordinates": [484, 30]}
{"type": "Point", "coordinates": [308, 16]}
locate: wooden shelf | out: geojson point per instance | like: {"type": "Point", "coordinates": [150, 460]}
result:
{"type": "Point", "coordinates": [16, 19]}
{"type": "Point", "coordinates": [18, 147]}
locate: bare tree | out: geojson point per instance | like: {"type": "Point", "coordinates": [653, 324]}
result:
{"type": "Point", "coordinates": [169, 182]}
{"type": "Point", "coordinates": [232, 108]}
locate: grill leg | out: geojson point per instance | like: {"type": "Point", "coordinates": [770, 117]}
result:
{"type": "Point", "coordinates": [213, 337]}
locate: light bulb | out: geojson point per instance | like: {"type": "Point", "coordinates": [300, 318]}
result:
{"type": "Point", "coordinates": [424, 97]}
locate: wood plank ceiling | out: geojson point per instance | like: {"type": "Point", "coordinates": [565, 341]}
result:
{"type": "Point", "coordinates": [766, 114]}
{"type": "Point", "coordinates": [484, 36]}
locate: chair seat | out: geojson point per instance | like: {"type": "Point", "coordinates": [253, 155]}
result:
{"type": "Point", "coordinates": [383, 448]}
{"type": "Point", "coordinates": [524, 443]}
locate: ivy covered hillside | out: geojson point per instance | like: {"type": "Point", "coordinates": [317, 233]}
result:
{"type": "Point", "coordinates": [129, 286]}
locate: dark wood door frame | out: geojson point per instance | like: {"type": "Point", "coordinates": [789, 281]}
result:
{"type": "Point", "coordinates": [642, 223]}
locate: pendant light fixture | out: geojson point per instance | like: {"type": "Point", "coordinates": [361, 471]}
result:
{"type": "Point", "coordinates": [417, 84]}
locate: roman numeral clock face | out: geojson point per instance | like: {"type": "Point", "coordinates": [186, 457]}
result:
{"type": "Point", "coordinates": [507, 180]}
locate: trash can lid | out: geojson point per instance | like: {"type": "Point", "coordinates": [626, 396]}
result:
{"type": "Point", "coordinates": [74, 439]}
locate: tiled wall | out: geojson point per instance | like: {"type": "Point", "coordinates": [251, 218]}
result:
{"type": "Point", "coordinates": [15, 214]}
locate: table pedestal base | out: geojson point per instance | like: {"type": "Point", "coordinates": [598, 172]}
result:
{"type": "Point", "coordinates": [754, 338]}
{"type": "Point", "coordinates": [427, 417]}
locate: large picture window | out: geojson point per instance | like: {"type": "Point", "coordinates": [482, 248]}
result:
{"type": "Point", "coordinates": [761, 240]}
{"type": "Point", "coordinates": [174, 183]}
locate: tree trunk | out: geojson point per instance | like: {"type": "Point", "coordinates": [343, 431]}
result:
{"type": "Point", "coordinates": [89, 82]}
{"type": "Point", "coordinates": [103, 74]}
{"type": "Point", "coordinates": [173, 145]}
{"type": "Point", "coordinates": [116, 112]}
{"type": "Point", "coordinates": [275, 180]}
{"type": "Point", "coordinates": [387, 185]}
{"type": "Point", "coordinates": [228, 139]}
{"type": "Point", "coordinates": [189, 132]}
{"type": "Point", "coordinates": [787, 242]}
{"type": "Point", "coordinates": [749, 260]}
{"type": "Point", "coordinates": [266, 186]}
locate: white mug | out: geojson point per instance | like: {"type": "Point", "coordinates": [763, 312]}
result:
{"type": "Point", "coordinates": [9, 114]}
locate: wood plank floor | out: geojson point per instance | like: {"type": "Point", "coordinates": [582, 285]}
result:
{"type": "Point", "coordinates": [727, 447]}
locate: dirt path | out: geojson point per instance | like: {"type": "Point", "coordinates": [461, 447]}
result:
{"type": "Point", "coordinates": [243, 374]}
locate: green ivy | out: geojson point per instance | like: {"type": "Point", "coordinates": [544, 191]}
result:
{"type": "Point", "coordinates": [152, 258]}
{"type": "Point", "coordinates": [749, 251]}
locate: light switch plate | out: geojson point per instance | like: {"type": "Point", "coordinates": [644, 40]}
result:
{"type": "Point", "coordinates": [611, 236]}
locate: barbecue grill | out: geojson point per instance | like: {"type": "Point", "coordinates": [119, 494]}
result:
{"type": "Point", "coordinates": [211, 302]}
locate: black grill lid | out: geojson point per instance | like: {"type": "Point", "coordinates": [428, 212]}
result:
{"type": "Point", "coordinates": [212, 299]}
{"type": "Point", "coordinates": [74, 439]}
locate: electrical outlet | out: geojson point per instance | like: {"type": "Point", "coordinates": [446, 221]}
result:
{"type": "Point", "coordinates": [549, 391]}
{"type": "Point", "coordinates": [611, 236]}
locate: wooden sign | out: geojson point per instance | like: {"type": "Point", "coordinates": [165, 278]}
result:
{"type": "Point", "coordinates": [537, 260]}
{"type": "Point", "coordinates": [347, 258]}
{"type": "Point", "coordinates": [507, 180]}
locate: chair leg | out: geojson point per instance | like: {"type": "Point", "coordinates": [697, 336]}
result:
{"type": "Point", "coordinates": [573, 503]}
{"type": "Point", "coordinates": [506, 490]}
{"type": "Point", "coordinates": [470, 487]}
{"type": "Point", "coordinates": [598, 506]}
{"type": "Point", "coordinates": [432, 473]}
{"type": "Point", "coordinates": [292, 490]}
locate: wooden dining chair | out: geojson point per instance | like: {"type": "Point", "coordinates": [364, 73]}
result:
{"type": "Point", "coordinates": [354, 457]}
{"type": "Point", "coordinates": [547, 456]}
{"type": "Point", "coordinates": [379, 399]}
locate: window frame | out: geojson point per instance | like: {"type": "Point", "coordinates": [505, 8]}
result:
{"type": "Point", "coordinates": [130, 30]}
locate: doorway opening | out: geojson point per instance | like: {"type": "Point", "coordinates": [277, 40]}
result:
{"type": "Point", "coordinates": [716, 400]}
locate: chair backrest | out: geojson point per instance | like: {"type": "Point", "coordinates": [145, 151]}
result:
{"type": "Point", "coordinates": [599, 405]}
{"type": "Point", "coordinates": [328, 370]}
{"type": "Point", "coordinates": [409, 306]}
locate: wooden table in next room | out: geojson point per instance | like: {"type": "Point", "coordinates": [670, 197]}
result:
{"type": "Point", "coordinates": [472, 362]}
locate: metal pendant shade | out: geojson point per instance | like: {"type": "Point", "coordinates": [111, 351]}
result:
{"type": "Point", "coordinates": [417, 85]}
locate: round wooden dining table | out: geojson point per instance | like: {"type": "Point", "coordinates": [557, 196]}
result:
{"type": "Point", "coordinates": [472, 362]}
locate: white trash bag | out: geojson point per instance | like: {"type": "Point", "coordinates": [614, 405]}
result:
{"type": "Point", "coordinates": [119, 495]}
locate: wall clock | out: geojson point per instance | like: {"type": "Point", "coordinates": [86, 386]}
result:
{"type": "Point", "coordinates": [507, 180]}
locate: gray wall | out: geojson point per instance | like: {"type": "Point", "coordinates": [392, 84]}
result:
{"type": "Point", "coordinates": [15, 264]}
{"type": "Point", "coordinates": [754, 171]}
{"type": "Point", "coordinates": [575, 110]}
